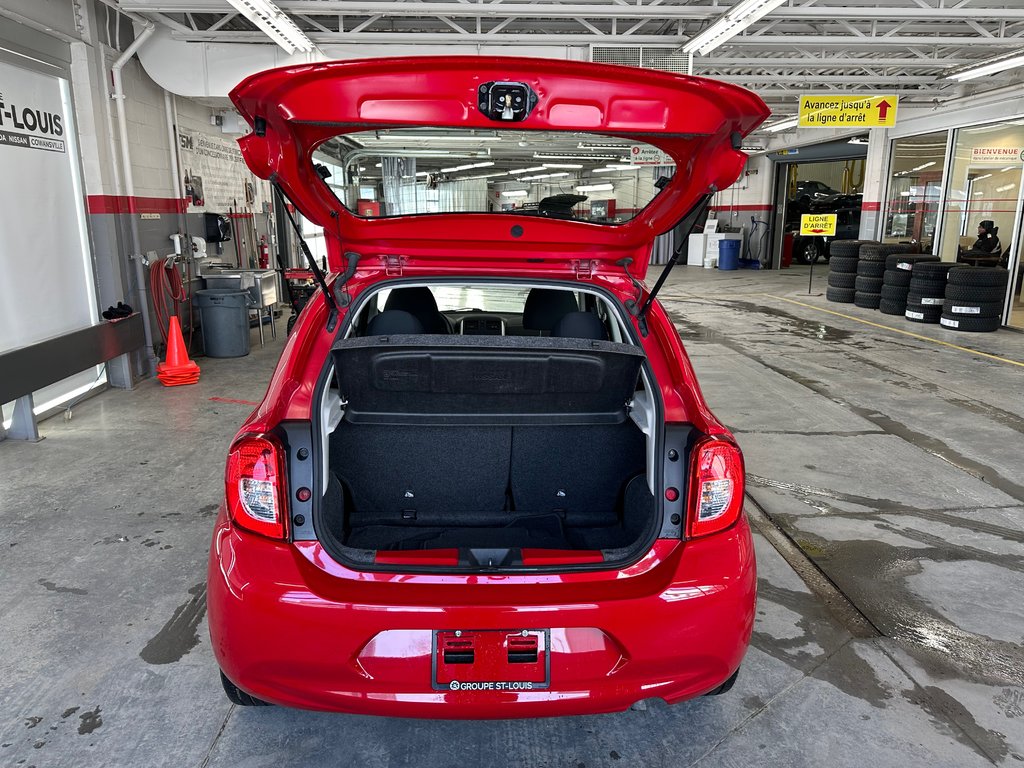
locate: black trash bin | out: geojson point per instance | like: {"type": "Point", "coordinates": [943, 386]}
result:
{"type": "Point", "coordinates": [225, 321]}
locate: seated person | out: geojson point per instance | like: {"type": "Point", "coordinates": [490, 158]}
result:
{"type": "Point", "coordinates": [987, 243]}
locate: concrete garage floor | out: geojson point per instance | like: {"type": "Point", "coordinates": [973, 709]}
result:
{"type": "Point", "coordinates": [892, 462]}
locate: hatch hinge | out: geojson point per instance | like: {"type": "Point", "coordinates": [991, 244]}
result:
{"type": "Point", "coordinates": [393, 265]}
{"type": "Point", "coordinates": [584, 268]}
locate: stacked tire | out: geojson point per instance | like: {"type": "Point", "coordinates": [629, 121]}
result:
{"type": "Point", "coordinates": [842, 276]}
{"type": "Point", "coordinates": [871, 271]}
{"type": "Point", "coordinates": [927, 292]}
{"type": "Point", "coordinates": [974, 298]}
{"type": "Point", "coordinates": [896, 282]}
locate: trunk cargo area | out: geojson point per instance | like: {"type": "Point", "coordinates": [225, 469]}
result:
{"type": "Point", "coordinates": [486, 443]}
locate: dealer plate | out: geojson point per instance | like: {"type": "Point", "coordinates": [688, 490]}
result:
{"type": "Point", "coordinates": [497, 660]}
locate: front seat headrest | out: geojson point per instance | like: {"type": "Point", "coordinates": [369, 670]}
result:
{"type": "Point", "coordinates": [420, 303]}
{"type": "Point", "coordinates": [581, 325]}
{"type": "Point", "coordinates": [393, 321]}
{"type": "Point", "coordinates": [545, 307]}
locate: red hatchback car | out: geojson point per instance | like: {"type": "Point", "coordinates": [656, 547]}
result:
{"type": "Point", "coordinates": [483, 481]}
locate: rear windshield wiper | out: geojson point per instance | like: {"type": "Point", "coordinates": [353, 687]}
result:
{"type": "Point", "coordinates": [318, 274]}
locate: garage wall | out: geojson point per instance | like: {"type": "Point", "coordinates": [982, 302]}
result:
{"type": "Point", "coordinates": [750, 196]}
{"type": "Point", "coordinates": [84, 35]}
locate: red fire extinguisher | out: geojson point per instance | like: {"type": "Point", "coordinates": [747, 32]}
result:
{"type": "Point", "coordinates": [264, 252]}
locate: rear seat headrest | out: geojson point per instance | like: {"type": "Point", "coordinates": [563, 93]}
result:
{"type": "Point", "coordinates": [393, 321]}
{"type": "Point", "coordinates": [545, 307]}
{"type": "Point", "coordinates": [420, 303]}
{"type": "Point", "coordinates": [581, 325]}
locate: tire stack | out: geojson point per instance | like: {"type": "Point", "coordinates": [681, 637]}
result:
{"type": "Point", "coordinates": [974, 298]}
{"type": "Point", "coordinates": [871, 270]}
{"type": "Point", "coordinates": [896, 282]}
{"type": "Point", "coordinates": [842, 275]}
{"type": "Point", "coordinates": [927, 291]}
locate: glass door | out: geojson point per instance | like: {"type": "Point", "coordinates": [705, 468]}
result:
{"type": "Point", "coordinates": [983, 199]}
{"type": "Point", "coordinates": [915, 186]}
{"type": "Point", "coordinates": [1016, 265]}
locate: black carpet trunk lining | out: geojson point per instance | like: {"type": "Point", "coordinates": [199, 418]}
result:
{"type": "Point", "coordinates": [439, 487]}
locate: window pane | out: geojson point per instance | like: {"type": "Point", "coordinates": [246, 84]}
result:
{"type": "Point", "coordinates": [984, 186]}
{"type": "Point", "coordinates": [915, 186]}
{"type": "Point", "coordinates": [558, 174]}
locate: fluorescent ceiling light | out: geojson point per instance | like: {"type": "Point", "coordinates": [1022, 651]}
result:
{"type": "Point", "coordinates": [858, 140]}
{"type": "Point", "coordinates": [611, 168]}
{"type": "Point", "coordinates": [529, 170]}
{"type": "Point", "coordinates": [482, 176]}
{"type": "Point", "coordinates": [466, 167]}
{"type": "Point", "coordinates": [595, 188]}
{"type": "Point", "coordinates": [603, 147]}
{"type": "Point", "coordinates": [979, 178]}
{"type": "Point", "coordinates": [782, 125]}
{"type": "Point", "coordinates": [275, 23]}
{"type": "Point", "coordinates": [730, 24]}
{"type": "Point", "coordinates": [424, 137]}
{"type": "Point", "coordinates": [563, 165]}
{"type": "Point", "coordinates": [515, 193]}
{"type": "Point", "coordinates": [543, 176]}
{"type": "Point", "coordinates": [577, 156]}
{"type": "Point", "coordinates": [987, 66]}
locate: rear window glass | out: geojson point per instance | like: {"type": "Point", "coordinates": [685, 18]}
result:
{"type": "Point", "coordinates": [555, 174]}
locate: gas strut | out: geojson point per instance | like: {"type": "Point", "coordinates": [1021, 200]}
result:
{"type": "Point", "coordinates": [318, 274]}
{"type": "Point", "coordinates": [687, 223]}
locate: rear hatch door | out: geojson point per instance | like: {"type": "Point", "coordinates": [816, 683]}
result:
{"type": "Point", "coordinates": [697, 123]}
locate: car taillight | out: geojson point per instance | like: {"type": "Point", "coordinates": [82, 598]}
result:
{"type": "Point", "coordinates": [255, 486]}
{"type": "Point", "coordinates": [716, 487]}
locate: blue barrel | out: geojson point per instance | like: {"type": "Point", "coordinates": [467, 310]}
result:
{"type": "Point", "coordinates": [728, 254]}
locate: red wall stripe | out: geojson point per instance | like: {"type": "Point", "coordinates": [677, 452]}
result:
{"type": "Point", "coordinates": [116, 204]}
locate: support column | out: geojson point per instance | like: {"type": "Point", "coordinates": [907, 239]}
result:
{"type": "Point", "coordinates": [23, 425]}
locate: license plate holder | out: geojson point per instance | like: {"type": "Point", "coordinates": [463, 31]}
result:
{"type": "Point", "coordinates": [495, 660]}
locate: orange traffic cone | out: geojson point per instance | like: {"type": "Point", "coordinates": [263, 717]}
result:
{"type": "Point", "coordinates": [177, 369]}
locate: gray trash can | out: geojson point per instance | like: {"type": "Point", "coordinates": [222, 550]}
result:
{"type": "Point", "coordinates": [225, 321]}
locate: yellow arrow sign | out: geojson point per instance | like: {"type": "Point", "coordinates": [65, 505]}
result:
{"type": "Point", "coordinates": [821, 224]}
{"type": "Point", "coordinates": [848, 111]}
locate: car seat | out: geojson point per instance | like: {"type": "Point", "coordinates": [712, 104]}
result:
{"type": "Point", "coordinates": [420, 303]}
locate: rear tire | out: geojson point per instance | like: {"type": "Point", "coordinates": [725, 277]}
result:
{"type": "Point", "coordinates": [237, 696]}
{"type": "Point", "coordinates": [724, 687]}
{"type": "Point", "coordinates": [809, 252]}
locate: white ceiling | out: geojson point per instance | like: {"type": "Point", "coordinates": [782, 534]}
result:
{"type": "Point", "coordinates": [805, 46]}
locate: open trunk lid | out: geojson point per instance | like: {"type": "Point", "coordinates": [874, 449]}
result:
{"type": "Point", "coordinates": [699, 123]}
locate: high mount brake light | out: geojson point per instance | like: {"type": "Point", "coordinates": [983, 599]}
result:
{"type": "Point", "coordinates": [716, 487]}
{"type": "Point", "coordinates": [254, 484]}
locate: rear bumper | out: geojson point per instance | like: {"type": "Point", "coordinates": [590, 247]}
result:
{"type": "Point", "coordinates": [292, 627]}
